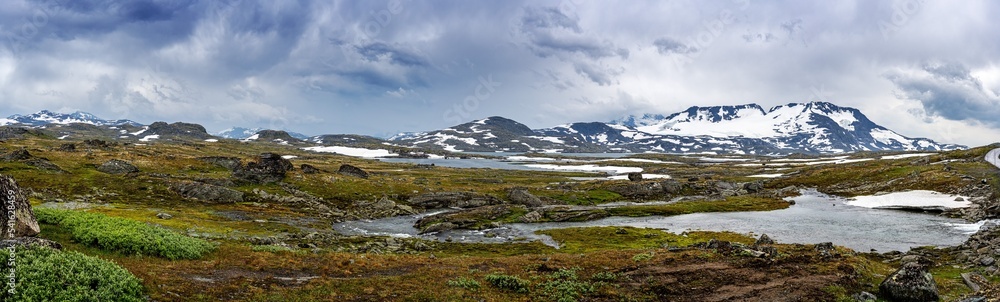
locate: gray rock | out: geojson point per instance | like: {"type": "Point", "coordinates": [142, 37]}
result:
{"type": "Point", "coordinates": [438, 227]}
{"type": "Point", "coordinates": [671, 186]}
{"type": "Point", "coordinates": [207, 193]}
{"type": "Point", "coordinates": [17, 155]}
{"type": "Point", "coordinates": [764, 240]}
{"type": "Point", "coordinates": [44, 165]}
{"type": "Point", "coordinates": [753, 187]}
{"type": "Point", "coordinates": [724, 185]}
{"type": "Point", "coordinates": [269, 168]}
{"type": "Point", "coordinates": [350, 170]}
{"type": "Point", "coordinates": [865, 297]}
{"type": "Point", "coordinates": [635, 176]}
{"type": "Point", "coordinates": [11, 197]}
{"type": "Point", "coordinates": [117, 167]}
{"type": "Point", "coordinates": [164, 216]}
{"type": "Point", "coordinates": [309, 169]}
{"type": "Point", "coordinates": [29, 241]}
{"type": "Point", "coordinates": [987, 261]}
{"type": "Point", "coordinates": [68, 147]}
{"type": "Point", "coordinates": [959, 199]}
{"type": "Point", "coordinates": [522, 196]}
{"type": "Point", "coordinates": [531, 217]}
{"type": "Point", "coordinates": [911, 282]}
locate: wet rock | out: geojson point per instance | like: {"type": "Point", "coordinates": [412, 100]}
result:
{"type": "Point", "coordinates": [531, 217]}
{"type": "Point", "coordinates": [522, 196]}
{"type": "Point", "coordinates": [453, 200]}
{"type": "Point", "coordinates": [635, 176]}
{"type": "Point", "coordinates": [309, 169]}
{"type": "Point", "coordinates": [566, 213]}
{"type": "Point", "coordinates": [269, 168]}
{"type": "Point", "coordinates": [911, 282]}
{"type": "Point", "coordinates": [207, 193]}
{"type": "Point", "coordinates": [164, 216]}
{"type": "Point", "coordinates": [671, 186]}
{"type": "Point", "coordinates": [753, 187]}
{"type": "Point", "coordinates": [231, 163]}
{"type": "Point", "coordinates": [29, 242]}
{"type": "Point", "coordinates": [117, 167]}
{"type": "Point", "coordinates": [350, 170]}
{"type": "Point", "coordinates": [11, 197]}
{"type": "Point", "coordinates": [865, 297]}
{"type": "Point", "coordinates": [764, 240]}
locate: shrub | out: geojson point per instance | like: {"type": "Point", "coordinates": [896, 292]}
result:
{"type": "Point", "coordinates": [465, 283]}
{"type": "Point", "coordinates": [44, 274]}
{"type": "Point", "coordinates": [643, 257]}
{"type": "Point", "coordinates": [605, 277]}
{"type": "Point", "coordinates": [124, 235]}
{"type": "Point", "coordinates": [507, 282]}
{"type": "Point", "coordinates": [564, 286]}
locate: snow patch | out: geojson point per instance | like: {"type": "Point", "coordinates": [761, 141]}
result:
{"type": "Point", "coordinates": [356, 152]}
{"type": "Point", "coordinates": [916, 199]}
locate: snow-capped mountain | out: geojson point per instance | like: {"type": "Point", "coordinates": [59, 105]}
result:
{"type": "Point", "coordinates": [46, 117]}
{"type": "Point", "coordinates": [816, 127]}
{"type": "Point", "coordinates": [245, 133]}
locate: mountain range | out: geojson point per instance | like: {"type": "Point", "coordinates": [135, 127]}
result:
{"type": "Point", "coordinates": [811, 128]}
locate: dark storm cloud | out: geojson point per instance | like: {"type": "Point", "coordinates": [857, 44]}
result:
{"type": "Point", "coordinates": [949, 90]}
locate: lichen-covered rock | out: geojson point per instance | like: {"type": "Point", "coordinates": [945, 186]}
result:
{"type": "Point", "coordinates": [115, 166]}
{"type": "Point", "coordinates": [207, 193]}
{"type": "Point", "coordinates": [309, 169]}
{"type": "Point", "coordinates": [13, 200]}
{"type": "Point", "coordinates": [522, 196]}
{"type": "Point", "coordinates": [635, 176]}
{"type": "Point", "coordinates": [17, 155]}
{"type": "Point", "coordinates": [453, 200]}
{"type": "Point", "coordinates": [231, 163]}
{"type": "Point", "coordinates": [911, 282]}
{"type": "Point", "coordinates": [350, 170]}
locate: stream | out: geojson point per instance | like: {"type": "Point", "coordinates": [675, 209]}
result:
{"type": "Point", "coordinates": [814, 218]}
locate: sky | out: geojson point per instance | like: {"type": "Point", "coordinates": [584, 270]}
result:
{"type": "Point", "coordinates": [924, 68]}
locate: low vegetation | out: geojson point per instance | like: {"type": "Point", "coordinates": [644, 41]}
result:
{"type": "Point", "coordinates": [125, 236]}
{"type": "Point", "coordinates": [44, 274]}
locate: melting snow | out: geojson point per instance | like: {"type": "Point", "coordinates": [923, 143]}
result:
{"type": "Point", "coordinates": [356, 152]}
{"type": "Point", "coordinates": [918, 198]}
{"type": "Point", "coordinates": [149, 138]}
{"type": "Point", "coordinates": [900, 156]}
{"type": "Point", "coordinates": [590, 168]}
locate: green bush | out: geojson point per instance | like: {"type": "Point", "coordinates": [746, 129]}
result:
{"type": "Point", "coordinates": [564, 286]}
{"type": "Point", "coordinates": [507, 282]}
{"type": "Point", "coordinates": [465, 283]}
{"type": "Point", "coordinates": [124, 235]}
{"type": "Point", "coordinates": [44, 274]}
{"type": "Point", "coordinates": [643, 257]}
{"type": "Point", "coordinates": [605, 277]}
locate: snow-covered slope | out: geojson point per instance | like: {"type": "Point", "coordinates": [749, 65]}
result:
{"type": "Point", "coordinates": [245, 133]}
{"type": "Point", "coordinates": [46, 117]}
{"type": "Point", "coordinates": [816, 127]}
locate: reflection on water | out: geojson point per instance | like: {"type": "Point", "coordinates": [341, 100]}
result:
{"type": "Point", "coordinates": [814, 218]}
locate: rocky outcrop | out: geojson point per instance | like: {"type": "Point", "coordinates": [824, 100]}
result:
{"type": "Point", "coordinates": [309, 169]}
{"type": "Point", "coordinates": [67, 147]}
{"type": "Point", "coordinates": [13, 201]}
{"type": "Point", "coordinates": [12, 132]}
{"type": "Point", "coordinates": [178, 131]}
{"type": "Point", "coordinates": [231, 163]}
{"type": "Point", "coordinates": [573, 213]}
{"type": "Point", "coordinates": [207, 193]}
{"type": "Point", "coordinates": [269, 168]}
{"type": "Point", "coordinates": [16, 155]}
{"type": "Point", "coordinates": [476, 218]}
{"type": "Point", "coordinates": [523, 197]}
{"type": "Point", "coordinates": [982, 248]}
{"type": "Point", "coordinates": [453, 200]}
{"type": "Point", "coordinates": [671, 186]}
{"type": "Point", "coordinates": [275, 136]}
{"type": "Point", "coordinates": [380, 208]}
{"type": "Point", "coordinates": [117, 167]}
{"type": "Point", "coordinates": [44, 165]}
{"type": "Point", "coordinates": [29, 242]}
{"type": "Point", "coordinates": [638, 190]}
{"type": "Point", "coordinates": [912, 282]}
{"type": "Point", "coordinates": [350, 170]}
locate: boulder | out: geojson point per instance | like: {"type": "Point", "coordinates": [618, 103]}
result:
{"type": "Point", "coordinates": [453, 200]}
{"type": "Point", "coordinates": [269, 168]}
{"type": "Point", "coordinates": [207, 193]}
{"type": "Point", "coordinates": [14, 203]}
{"type": "Point", "coordinates": [115, 166]}
{"type": "Point", "coordinates": [911, 282]}
{"type": "Point", "coordinates": [764, 240]}
{"type": "Point", "coordinates": [671, 186]}
{"type": "Point", "coordinates": [753, 187]}
{"type": "Point", "coordinates": [476, 218]}
{"type": "Point", "coordinates": [533, 216]}
{"type": "Point", "coordinates": [522, 196]}
{"type": "Point", "coordinates": [635, 176]}
{"type": "Point", "coordinates": [637, 189]}
{"type": "Point", "coordinates": [164, 216]}
{"type": "Point", "coordinates": [309, 169]}
{"type": "Point", "coordinates": [350, 170]}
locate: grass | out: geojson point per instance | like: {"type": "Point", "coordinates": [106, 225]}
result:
{"type": "Point", "coordinates": [730, 204]}
{"type": "Point", "coordinates": [125, 236]}
{"type": "Point", "coordinates": [44, 274]}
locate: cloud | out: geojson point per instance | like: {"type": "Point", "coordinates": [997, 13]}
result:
{"type": "Point", "coordinates": [670, 46]}
{"type": "Point", "coordinates": [950, 91]}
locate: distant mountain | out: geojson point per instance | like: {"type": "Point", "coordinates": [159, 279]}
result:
{"type": "Point", "coordinates": [814, 128]}
{"type": "Point", "coordinates": [46, 117]}
{"type": "Point", "coordinates": [244, 133]}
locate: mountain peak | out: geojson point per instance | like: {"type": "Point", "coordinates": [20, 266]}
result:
{"type": "Point", "coordinates": [45, 117]}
